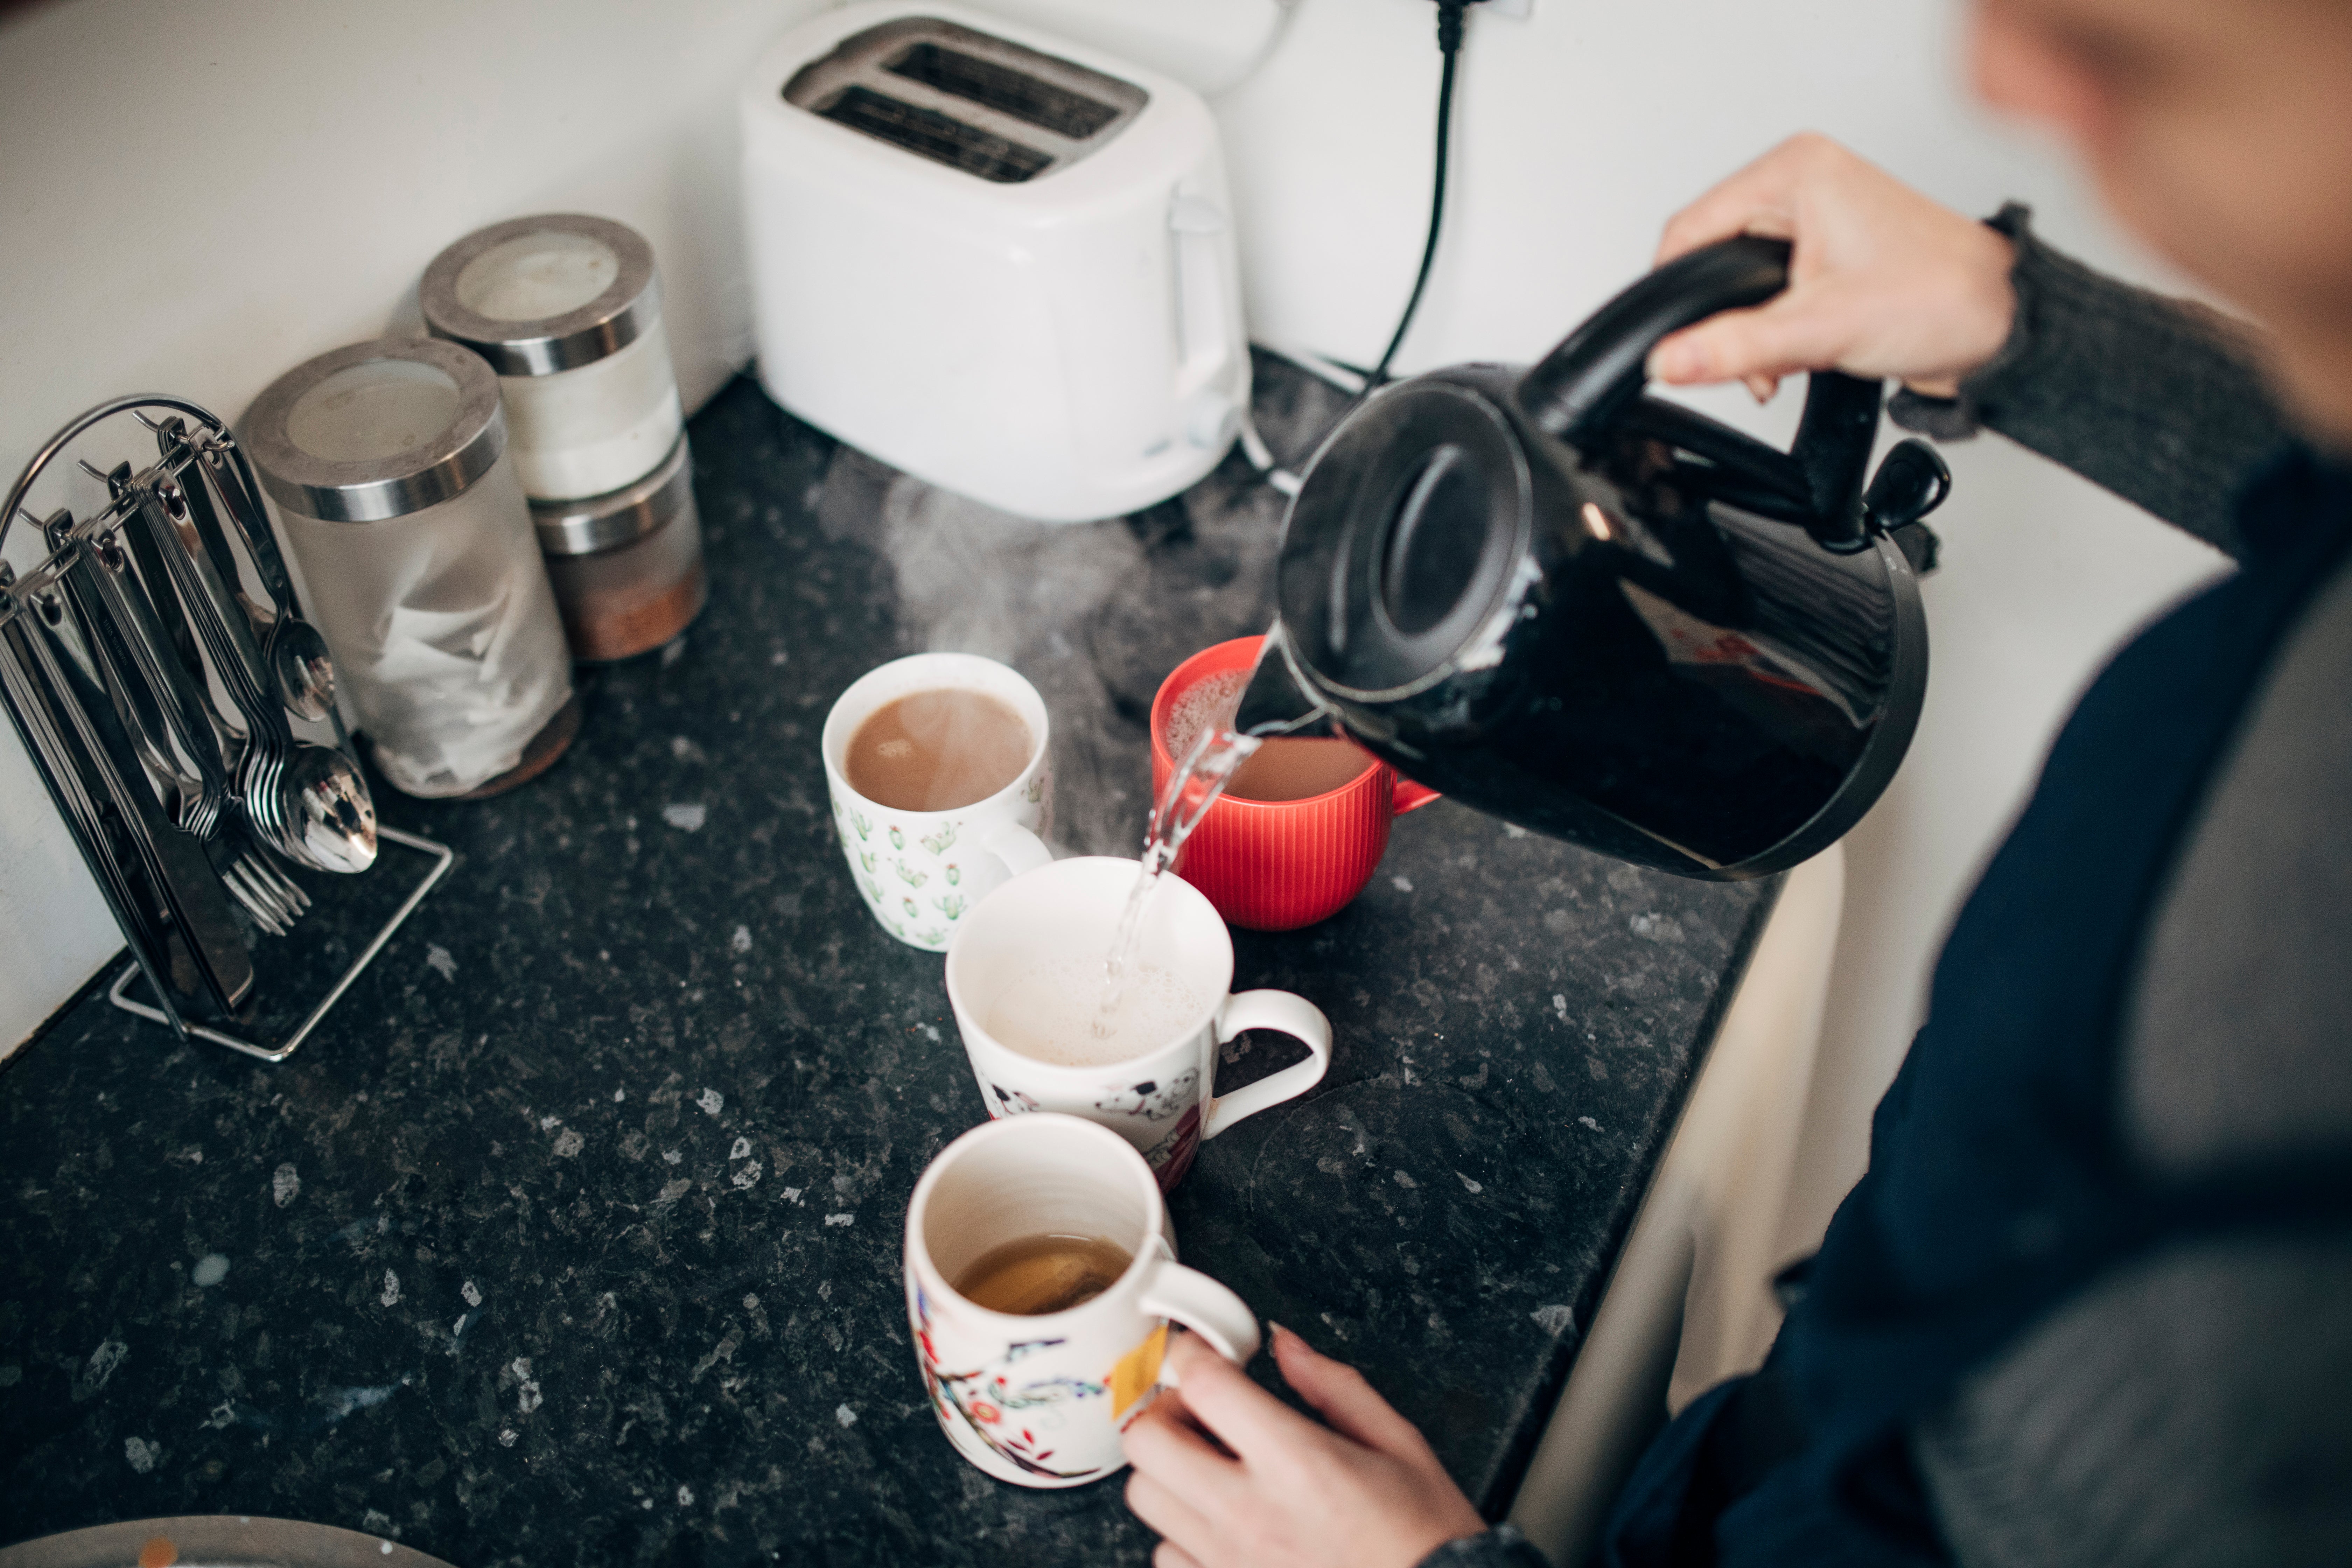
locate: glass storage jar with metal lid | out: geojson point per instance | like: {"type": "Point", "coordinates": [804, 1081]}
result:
{"type": "Point", "coordinates": [567, 310]}
{"type": "Point", "coordinates": [388, 463]}
{"type": "Point", "coordinates": [628, 567]}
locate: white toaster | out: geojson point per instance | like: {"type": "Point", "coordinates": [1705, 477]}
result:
{"type": "Point", "coordinates": [998, 261]}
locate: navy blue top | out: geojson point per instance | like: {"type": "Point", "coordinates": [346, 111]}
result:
{"type": "Point", "coordinates": [1999, 1182]}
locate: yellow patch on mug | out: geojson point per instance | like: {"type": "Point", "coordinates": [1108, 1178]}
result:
{"type": "Point", "coordinates": [1136, 1370]}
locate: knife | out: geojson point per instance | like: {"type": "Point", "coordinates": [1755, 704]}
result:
{"type": "Point", "coordinates": [202, 960]}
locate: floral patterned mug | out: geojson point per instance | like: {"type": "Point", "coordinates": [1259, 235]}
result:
{"type": "Point", "coordinates": [1040, 1399]}
{"type": "Point", "coordinates": [922, 871]}
{"type": "Point", "coordinates": [1163, 1101]}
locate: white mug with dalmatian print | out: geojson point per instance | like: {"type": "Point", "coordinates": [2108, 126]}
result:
{"type": "Point", "coordinates": [1161, 1100]}
{"type": "Point", "coordinates": [922, 872]}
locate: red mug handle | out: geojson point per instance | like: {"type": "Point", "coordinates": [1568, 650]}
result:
{"type": "Point", "coordinates": [1411, 797]}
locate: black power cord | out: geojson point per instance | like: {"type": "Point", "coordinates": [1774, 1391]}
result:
{"type": "Point", "coordinates": [1450, 14]}
{"type": "Point", "coordinates": [1450, 17]}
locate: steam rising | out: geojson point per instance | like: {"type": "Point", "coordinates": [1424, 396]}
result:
{"type": "Point", "coordinates": [1094, 614]}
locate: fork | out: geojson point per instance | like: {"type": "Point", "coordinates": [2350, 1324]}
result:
{"type": "Point", "coordinates": [181, 724]}
{"type": "Point", "coordinates": [268, 895]}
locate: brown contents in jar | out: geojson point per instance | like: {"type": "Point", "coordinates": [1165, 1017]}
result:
{"type": "Point", "coordinates": [607, 616]}
{"type": "Point", "coordinates": [630, 596]}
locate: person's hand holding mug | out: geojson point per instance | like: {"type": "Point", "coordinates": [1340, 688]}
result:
{"type": "Point", "coordinates": [1230, 1477]}
{"type": "Point", "coordinates": [1883, 280]}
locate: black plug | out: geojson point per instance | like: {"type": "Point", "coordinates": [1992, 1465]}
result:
{"type": "Point", "coordinates": [1449, 23]}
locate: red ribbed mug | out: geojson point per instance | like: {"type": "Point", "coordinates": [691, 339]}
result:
{"type": "Point", "coordinates": [1278, 865]}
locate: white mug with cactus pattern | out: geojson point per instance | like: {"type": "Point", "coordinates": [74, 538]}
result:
{"type": "Point", "coordinates": [922, 871]}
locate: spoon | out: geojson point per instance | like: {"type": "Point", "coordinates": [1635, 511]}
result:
{"type": "Point", "coordinates": [318, 806]}
{"type": "Point", "coordinates": [299, 664]}
{"type": "Point", "coordinates": [299, 659]}
{"type": "Point", "coordinates": [309, 800]}
{"type": "Point", "coordinates": [304, 670]}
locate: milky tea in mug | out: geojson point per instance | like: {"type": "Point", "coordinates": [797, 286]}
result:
{"type": "Point", "coordinates": [937, 751]}
{"type": "Point", "coordinates": [937, 768]}
{"type": "Point", "coordinates": [1303, 821]}
{"type": "Point", "coordinates": [1284, 767]}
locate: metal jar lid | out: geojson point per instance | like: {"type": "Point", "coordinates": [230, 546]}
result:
{"type": "Point", "coordinates": [344, 483]}
{"type": "Point", "coordinates": [618, 315]}
{"type": "Point", "coordinates": [599, 522]}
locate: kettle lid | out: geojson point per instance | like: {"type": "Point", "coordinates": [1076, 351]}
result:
{"type": "Point", "coordinates": [1405, 538]}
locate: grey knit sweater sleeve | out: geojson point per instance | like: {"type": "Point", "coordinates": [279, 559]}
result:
{"type": "Point", "coordinates": [2188, 1412]}
{"type": "Point", "coordinates": [1501, 1547]}
{"type": "Point", "coordinates": [2161, 400]}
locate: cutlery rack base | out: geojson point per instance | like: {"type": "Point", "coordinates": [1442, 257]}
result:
{"type": "Point", "coordinates": [440, 854]}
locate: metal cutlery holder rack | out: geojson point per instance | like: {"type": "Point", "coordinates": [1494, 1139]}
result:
{"type": "Point", "coordinates": [155, 662]}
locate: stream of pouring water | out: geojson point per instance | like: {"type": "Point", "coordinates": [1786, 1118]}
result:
{"type": "Point", "coordinates": [1207, 767]}
{"type": "Point", "coordinates": [1193, 785]}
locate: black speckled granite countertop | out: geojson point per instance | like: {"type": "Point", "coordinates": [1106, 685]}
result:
{"type": "Point", "coordinates": [573, 1235]}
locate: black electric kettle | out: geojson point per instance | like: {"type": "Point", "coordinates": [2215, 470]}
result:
{"type": "Point", "coordinates": [1606, 617]}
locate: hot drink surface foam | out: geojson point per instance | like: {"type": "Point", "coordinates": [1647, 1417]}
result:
{"type": "Point", "coordinates": [1209, 700]}
{"type": "Point", "coordinates": [1286, 767]}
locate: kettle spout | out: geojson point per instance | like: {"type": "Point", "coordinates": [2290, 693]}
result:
{"type": "Point", "coordinates": [1275, 701]}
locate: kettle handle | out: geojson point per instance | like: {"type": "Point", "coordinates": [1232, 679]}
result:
{"type": "Point", "coordinates": [1584, 385]}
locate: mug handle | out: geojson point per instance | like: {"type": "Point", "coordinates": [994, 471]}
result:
{"type": "Point", "coordinates": [1290, 1015]}
{"type": "Point", "coordinates": [1020, 849]}
{"type": "Point", "coordinates": [1409, 796]}
{"type": "Point", "coordinates": [1210, 1309]}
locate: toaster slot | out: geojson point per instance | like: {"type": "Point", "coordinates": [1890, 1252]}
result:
{"type": "Point", "coordinates": [969, 100]}
{"type": "Point", "coordinates": [1007, 90]}
{"type": "Point", "coordinates": [936, 136]}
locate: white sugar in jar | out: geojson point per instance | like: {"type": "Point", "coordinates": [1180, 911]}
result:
{"type": "Point", "coordinates": [389, 467]}
{"type": "Point", "coordinates": [567, 310]}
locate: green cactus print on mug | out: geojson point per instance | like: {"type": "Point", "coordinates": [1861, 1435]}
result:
{"type": "Point", "coordinates": [899, 858]}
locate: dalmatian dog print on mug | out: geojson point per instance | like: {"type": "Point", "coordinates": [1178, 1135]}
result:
{"type": "Point", "coordinates": [1161, 1100]}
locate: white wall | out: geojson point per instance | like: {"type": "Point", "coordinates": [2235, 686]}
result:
{"type": "Point", "coordinates": [1578, 132]}
{"type": "Point", "coordinates": [200, 195]}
